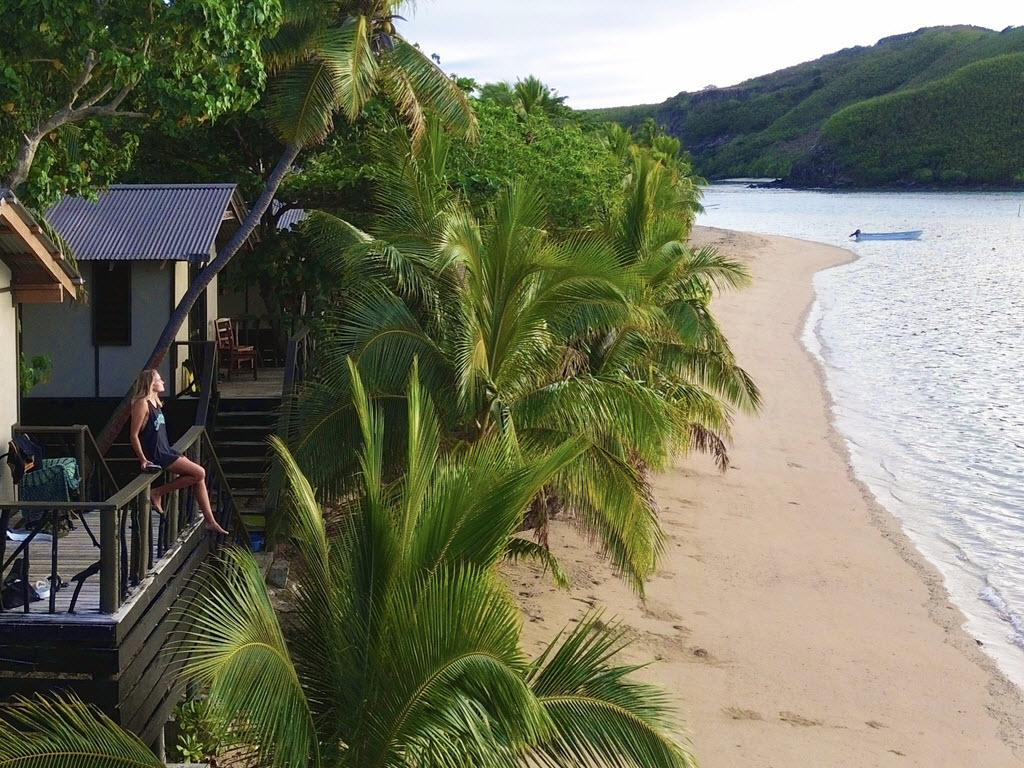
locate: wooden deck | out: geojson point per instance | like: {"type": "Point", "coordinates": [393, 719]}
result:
{"type": "Point", "coordinates": [115, 650]}
{"type": "Point", "coordinates": [241, 386]}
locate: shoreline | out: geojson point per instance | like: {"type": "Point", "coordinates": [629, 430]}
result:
{"type": "Point", "coordinates": [786, 630]}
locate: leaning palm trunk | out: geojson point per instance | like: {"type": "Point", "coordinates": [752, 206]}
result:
{"type": "Point", "coordinates": [329, 57]}
{"type": "Point", "coordinates": [200, 284]}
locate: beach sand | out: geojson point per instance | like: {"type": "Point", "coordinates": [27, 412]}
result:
{"type": "Point", "coordinates": [791, 621]}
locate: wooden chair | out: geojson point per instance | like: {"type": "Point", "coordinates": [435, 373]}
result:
{"type": "Point", "coordinates": [232, 354]}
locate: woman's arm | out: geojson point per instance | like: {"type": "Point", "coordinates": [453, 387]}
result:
{"type": "Point", "coordinates": [140, 410]}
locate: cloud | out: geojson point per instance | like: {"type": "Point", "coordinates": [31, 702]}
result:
{"type": "Point", "coordinates": [600, 53]}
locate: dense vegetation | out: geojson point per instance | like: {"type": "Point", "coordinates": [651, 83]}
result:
{"type": "Point", "coordinates": [773, 125]}
{"type": "Point", "coordinates": [896, 137]}
{"type": "Point", "coordinates": [509, 325]}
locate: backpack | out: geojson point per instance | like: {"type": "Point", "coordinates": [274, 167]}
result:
{"type": "Point", "coordinates": [23, 455]}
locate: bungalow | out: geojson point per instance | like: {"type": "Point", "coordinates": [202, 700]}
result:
{"type": "Point", "coordinates": [33, 271]}
{"type": "Point", "coordinates": [138, 247]}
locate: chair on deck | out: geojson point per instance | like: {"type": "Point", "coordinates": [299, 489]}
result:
{"type": "Point", "coordinates": [56, 480]}
{"type": "Point", "coordinates": [232, 354]}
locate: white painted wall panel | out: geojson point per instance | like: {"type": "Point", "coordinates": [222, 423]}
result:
{"type": "Point", "coordinates": [64, 333]}
{"type": "Point", "coordinates": [8, 376]}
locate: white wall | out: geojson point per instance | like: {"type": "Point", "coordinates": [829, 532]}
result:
{"type": "Point", "coordinates": [64, 332]}
{"type": "Point", "coordinates": [151, 307]}
{"type": "Point", "coordinates": [8, 376]}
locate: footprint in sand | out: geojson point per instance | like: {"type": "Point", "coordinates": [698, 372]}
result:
{"type": "Point", "coordinates": [794, 719]}
{"type": "Point", "coordinates": [741, 714]}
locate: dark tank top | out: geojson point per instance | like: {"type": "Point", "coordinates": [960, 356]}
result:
{"type": "Point", "coordinates": [154, 438]}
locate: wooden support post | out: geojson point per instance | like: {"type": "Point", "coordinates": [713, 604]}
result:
{"type": "Point", "coordinates": [171, 512]}
{"type": "Point", "coordinates": [143, 535]}
{"type": "Point", "coordinates": [80, 455]}
{"type": "Point", "coordinates": [110, 560]}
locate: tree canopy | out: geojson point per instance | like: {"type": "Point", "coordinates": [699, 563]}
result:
{"type": "Point", "coordinates": [78, 77]}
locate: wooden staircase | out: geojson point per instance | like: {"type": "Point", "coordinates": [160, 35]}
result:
{"type": "Point", "coordinates": [240, 432]}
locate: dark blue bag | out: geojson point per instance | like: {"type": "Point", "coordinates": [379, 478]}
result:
{"type": "Point", "coordinates": [23, 455]}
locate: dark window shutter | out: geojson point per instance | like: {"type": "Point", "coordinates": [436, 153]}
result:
{"type": "Point", "coordinates": [111, 299]}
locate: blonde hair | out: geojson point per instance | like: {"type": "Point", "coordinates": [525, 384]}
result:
{"type": "Point", "coordinates": [144, 385]}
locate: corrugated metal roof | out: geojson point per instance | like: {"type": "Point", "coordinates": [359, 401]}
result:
{"type": "Point", "coordinates": [289, 218]}
{"type": "Point", "coordinates": [144, 221]}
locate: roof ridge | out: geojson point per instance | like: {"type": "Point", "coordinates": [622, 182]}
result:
{"type": "Point", "coordinates": [177, 185]}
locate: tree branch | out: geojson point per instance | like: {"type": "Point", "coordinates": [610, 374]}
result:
{"type": "Point", "coordinates": [84, 77]}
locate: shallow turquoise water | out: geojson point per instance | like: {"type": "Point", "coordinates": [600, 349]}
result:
{"type": "Point", "coordinates": [922, 343]}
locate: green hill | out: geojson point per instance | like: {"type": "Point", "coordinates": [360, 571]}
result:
{"type": "Point", "coordinates": [812, 122]}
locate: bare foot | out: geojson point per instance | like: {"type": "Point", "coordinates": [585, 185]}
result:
{"type": "Point", "coordinates": [213, 525]}
{"type": "Point", "coordinates": [154, 499]}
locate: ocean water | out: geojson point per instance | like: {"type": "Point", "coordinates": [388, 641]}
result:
{"type": "Point", "coordinates": [922, 343]}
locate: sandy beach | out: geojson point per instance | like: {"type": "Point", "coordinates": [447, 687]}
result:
{"type": "Point", "coordinates": [791, 620]}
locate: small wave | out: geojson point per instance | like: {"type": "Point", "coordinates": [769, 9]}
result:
{"type": "Point", "coordinates": [991, 596]}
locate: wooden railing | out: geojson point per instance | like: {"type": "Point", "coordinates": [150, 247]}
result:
{"type": "Point", "coordinates": [298, 361]}
{"type": "Point", "coordinates": [128, 551]}
{"type": "Point", "coordinates": [97, 481]}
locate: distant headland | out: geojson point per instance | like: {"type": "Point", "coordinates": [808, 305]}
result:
{"type": "Point", "coordinates": [935, 108]}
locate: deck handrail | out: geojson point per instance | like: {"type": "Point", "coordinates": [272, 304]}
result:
{"type": "Point", "coordinates": [87, 452]}
{"type": "Point", "coordinates": [126, 548]}
{"type": "Point", "coordinates": [296, 360]}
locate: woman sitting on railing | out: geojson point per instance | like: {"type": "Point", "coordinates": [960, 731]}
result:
{"type": "Point", "coordinates": [149, 439]}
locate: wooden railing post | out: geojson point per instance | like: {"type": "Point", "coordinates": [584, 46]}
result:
{"type": "Point", "coordinates": [171, 513]}
{"type": "Point", "coordinates": [144, 530]}
{"type": "Point", "coordinates": [110, 560]}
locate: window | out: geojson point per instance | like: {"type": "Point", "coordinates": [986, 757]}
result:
{"type": "Point", "coordinates": [111, 298]}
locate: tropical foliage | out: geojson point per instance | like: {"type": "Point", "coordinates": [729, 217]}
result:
{"type": "Point", "coordinates": [526, 97]}
{"type": "Point", "coordinates": [770, 125]}
{"type": "Point", "coordinates": [567, 165]}
{"type": "Point", "coordinates": [78, 78]}
{"type": "Point", "coordinates": [602, 336]}
{"type": "Point", "coordinates": [326, 58]}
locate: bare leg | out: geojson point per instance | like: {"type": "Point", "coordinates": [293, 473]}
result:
{"type": "Point", "coordinates": [196, 475]}
{"type": "Point", "coordinates": [155, 494]}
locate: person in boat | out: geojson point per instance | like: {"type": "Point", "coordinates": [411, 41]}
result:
{"type": "Point", "coordinates": [149, 439]}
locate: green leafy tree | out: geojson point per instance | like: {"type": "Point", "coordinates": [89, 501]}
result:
{"type": "Point", "coordinates": [580, 179]}
{"type": "Point", "coordinates": [77, 78]}
{"type": "Point", "coordinates": [328, 57]}
{"type": "Point", "coordinates": [492, 309]}
{"type": "Point", "coordinates": [406, 648]}
{"type": "Point", "coordinates": [677, 348]}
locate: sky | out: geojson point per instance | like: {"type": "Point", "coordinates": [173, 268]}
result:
{"type": "Point", "coordinates": [601, 53]}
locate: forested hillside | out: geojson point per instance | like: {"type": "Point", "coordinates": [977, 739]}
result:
{"type": "Point", "coordinates": [809, 123]}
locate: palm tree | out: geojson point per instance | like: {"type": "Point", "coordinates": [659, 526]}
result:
{"type": "Point", "coordinates": [404, 646]}
{"type": "Point", "coordinates": [328, 57]}
{"type": "Point", "coordinates": [617, 140]}
{"type": "Point", "coordinates": [526, 97]}
{"type": "Point", "coordinates": [492, 311]}
{"type": "Point", "coordinates": [680, 350]}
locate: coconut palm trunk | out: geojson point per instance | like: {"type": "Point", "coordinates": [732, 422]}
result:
{"type": "Point", "coordinates": [327, 58]}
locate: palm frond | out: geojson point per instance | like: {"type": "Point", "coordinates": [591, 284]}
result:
{"type": "Point", "coordinates": [601, 717]}
{"type": "Point", "coordinates": [304, 99]}
{"type": "Point", "coordinates": [519, 548]}
{"type": "Point", "coordinates": [63, 732]}
{"type": "Point", "coordinates": [416, 84]}
{"type": "Point", "coordinates": [237, 648]}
